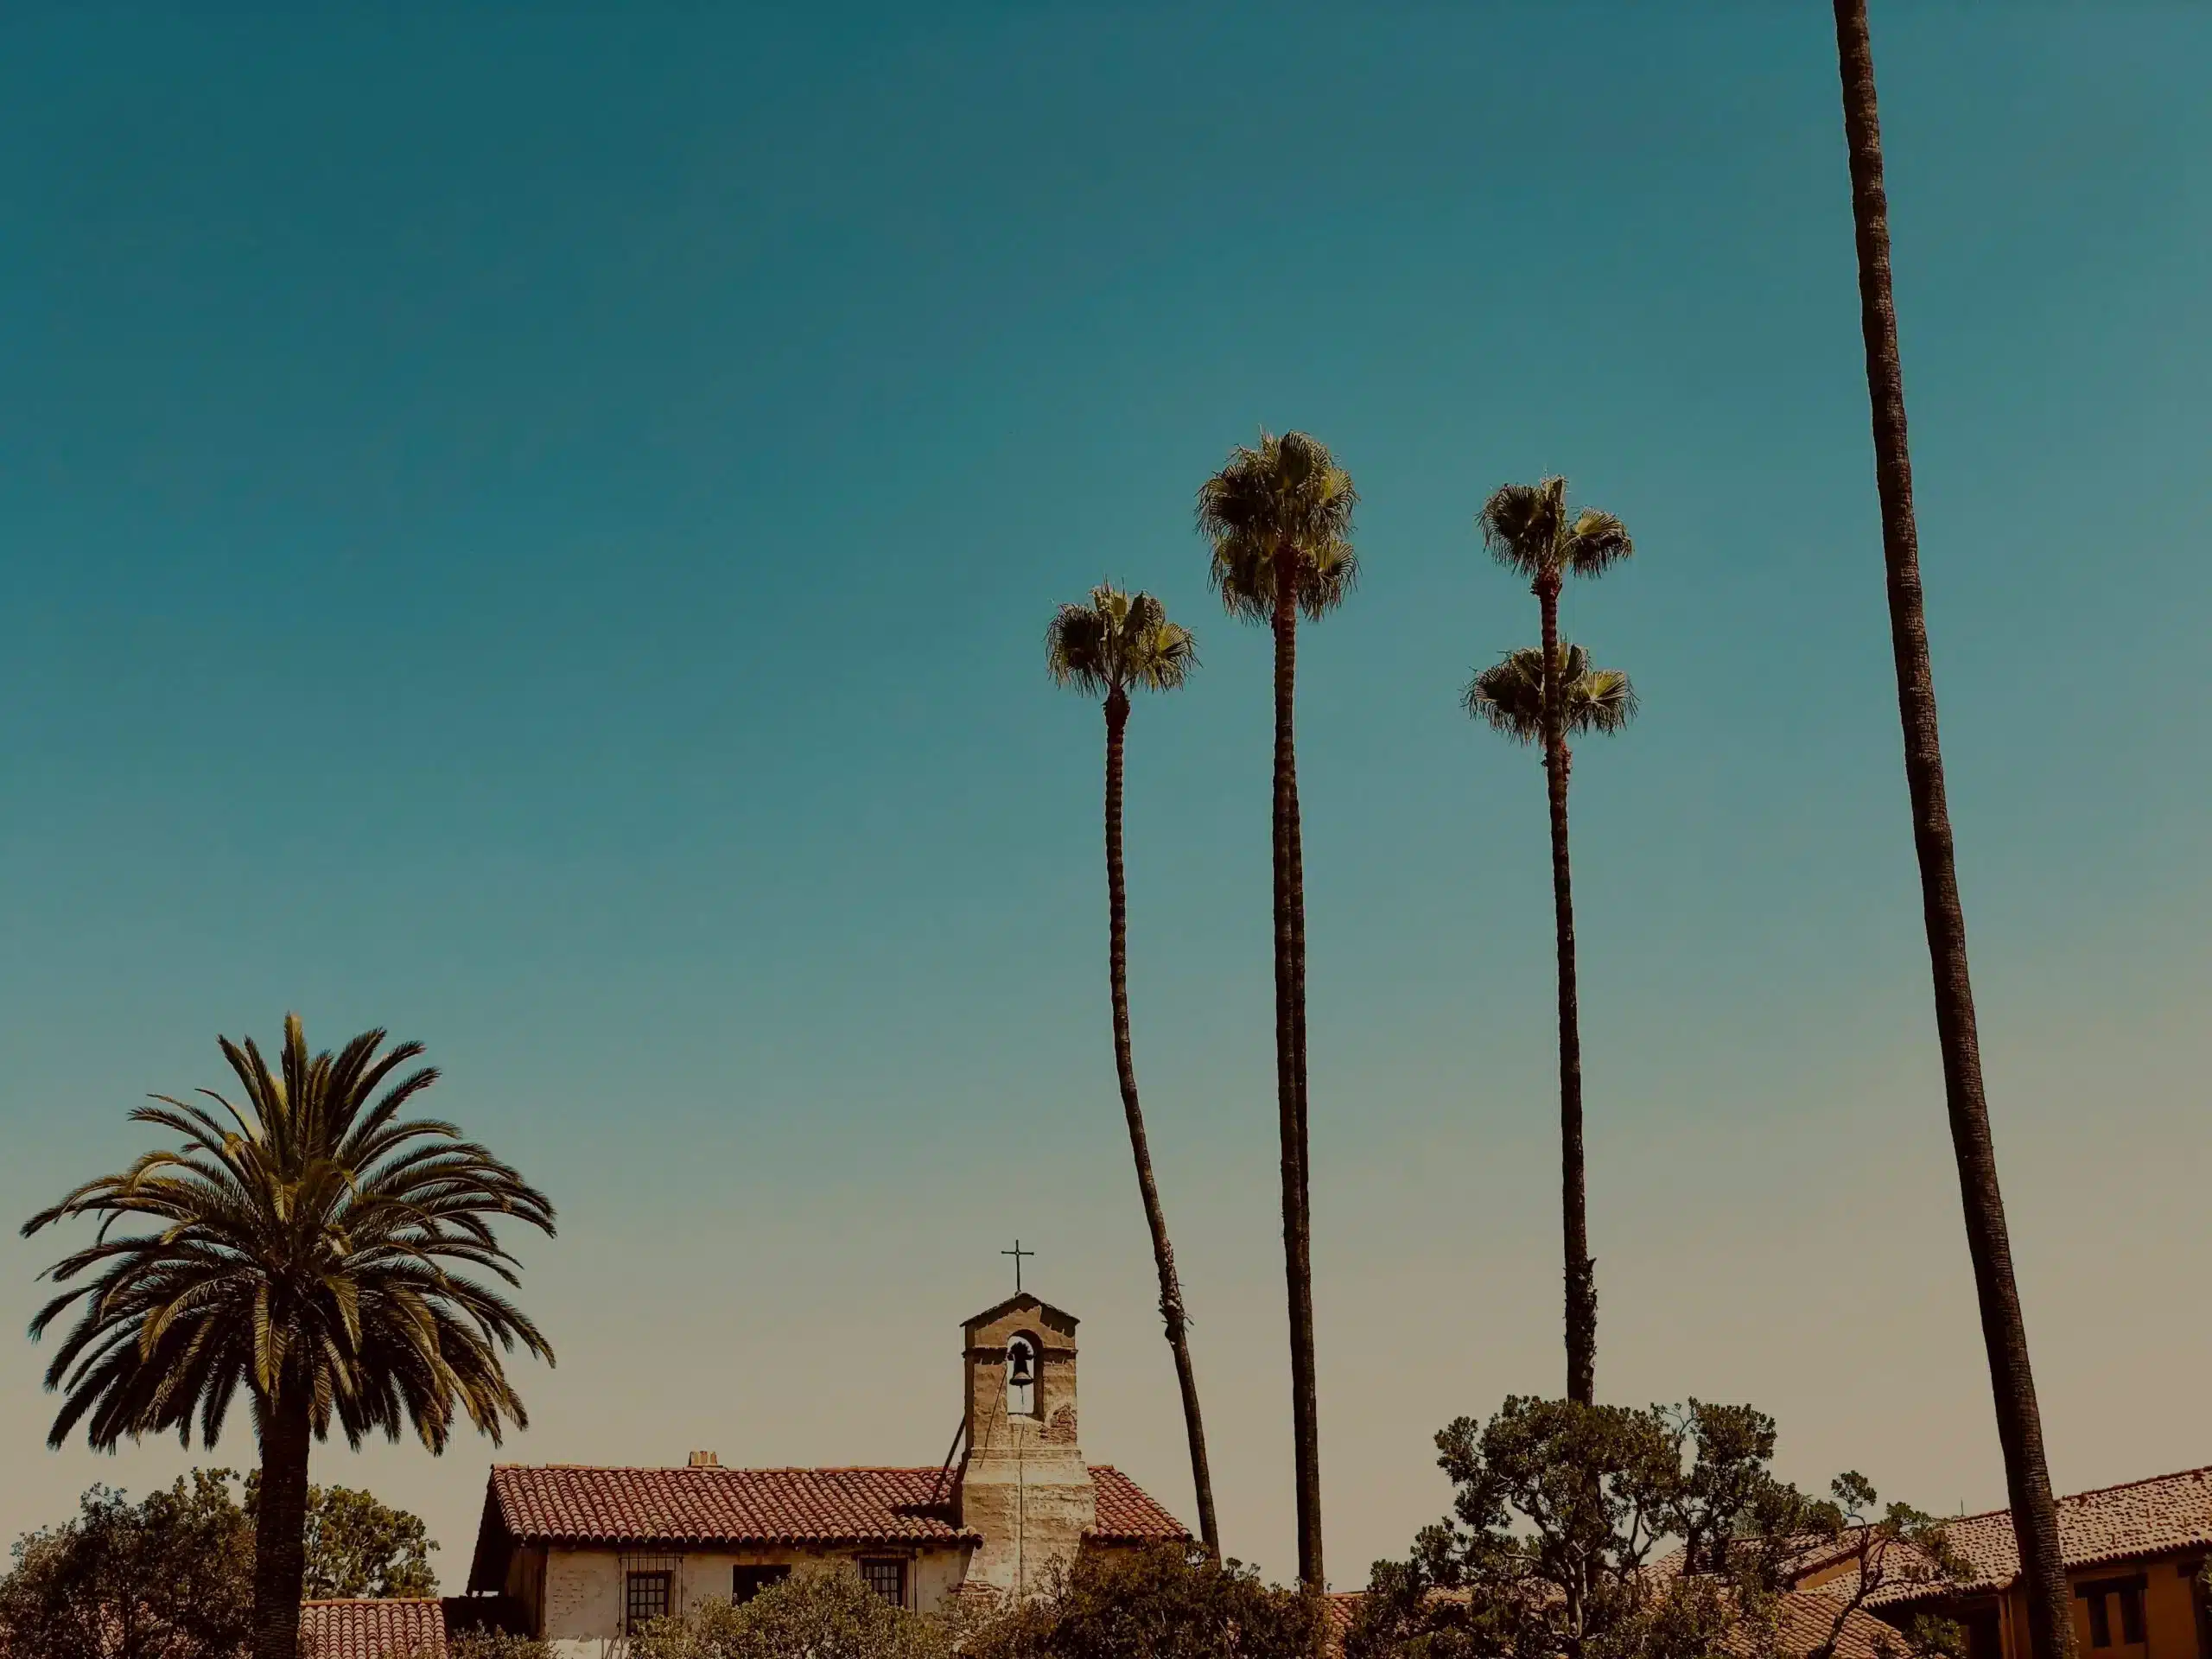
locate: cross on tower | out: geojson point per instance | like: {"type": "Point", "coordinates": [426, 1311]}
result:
{"type": "Point", "coordinates": [1017, 1253]}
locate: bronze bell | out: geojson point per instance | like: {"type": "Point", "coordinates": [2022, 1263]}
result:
{"type": "Point", "coordinates": [1024, 1371]}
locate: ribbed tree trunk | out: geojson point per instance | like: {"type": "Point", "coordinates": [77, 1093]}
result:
{"type": "Point", "coordinates": [1580, 1272]}
{"type": "Point", "coordinates": [2019, 1424]}
{"type": "Point", "coordinates": [1290, 1081]}
{"type": "Point", "coordinates": [1163, 1253]}
{"type": "Point", "coordinates": [280, 1526]}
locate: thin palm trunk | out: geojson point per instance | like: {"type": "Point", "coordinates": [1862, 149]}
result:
{"type": "Point", "coordinates": [1163, 1253]}
{"type": "Point", "coordinates": [1290, 1081]}
{"type": "Point", "coordinates": [1580, 1272]}
{"type": "Point", "coordinates": [280, 1527]}
{"type": "Point", "coordinates": [2019, 1426]}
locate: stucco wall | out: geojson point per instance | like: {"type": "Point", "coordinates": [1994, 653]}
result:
{"type": "Point", "coordinates": [584, 1587]}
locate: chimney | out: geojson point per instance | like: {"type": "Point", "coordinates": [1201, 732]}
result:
{"type": "Point", "coordinates": [705, 1460]}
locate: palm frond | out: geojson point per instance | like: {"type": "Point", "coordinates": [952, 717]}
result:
{"type": "Point", "coordinates": [1281, 512]}
{"type": "Point", "coordinates": [1508, 694]}
{"type": "Point", "coordinates": [316, 1248]}
{"type": "Point", "coordinates": [1118, 643]}
{"type": "Point", "coordinates": [1527, 528]}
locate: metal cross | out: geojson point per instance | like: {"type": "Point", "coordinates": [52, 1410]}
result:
{"type": "Point", "coordinates": [1017, 1253]}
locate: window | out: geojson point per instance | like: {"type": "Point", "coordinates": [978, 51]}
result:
{"type": "Point", "coordinates": [645, 1597]}
{"type": "Point", "coordinates": [2099, 1621]}
{"type": "Point", "coordinates": [887, 1580]}
{"type": "Point", "coordinates": [747, 1582]}
{"type": "Point", "coordinates": [2099, 1595]}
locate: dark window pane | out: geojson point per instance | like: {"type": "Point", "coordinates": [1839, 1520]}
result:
{"type": "Point", "coordinates": [887, 1580]}
{"type": "Point", "coordinates": [2130, 1616]}
{"type": "Point", "coordinates": [644, 1599]}
{"type": "Point", "coordinates": [747, 1582]}
{"type": "Point", "coordinates": [2099, 1621]}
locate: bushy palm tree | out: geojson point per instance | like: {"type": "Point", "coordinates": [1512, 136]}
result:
{"type": "Point", "coordinates": [306, 1247]}
{"type": "Point", "coordinates": [2004, 1328]}
{"type": "Point", "coordinates": [1528, 529]}
{"type": "Point", "coordinates": [1119, 643]}
{"type": "Point", "coordinates": [1278, 518]}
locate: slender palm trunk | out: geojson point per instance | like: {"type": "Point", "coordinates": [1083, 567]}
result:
{"type": "Point", "coordinates": [1163, 1253]}
{"type": "Point", "coordinates": [280, 1526]}
{"type": "Point", "coordinates": [1580, 1272]}
{"type": "Point", "coordinates": [1290, 1083]}
{"type": "Point", "coordinates": [2019, 1424]}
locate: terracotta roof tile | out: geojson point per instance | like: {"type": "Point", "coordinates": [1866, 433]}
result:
{"type": "Point", "coordinates": [2165, 1515]}
{"type": "Point", "coordinates": [397, 1628]}
{"type": "Point", "coordinates": [1127, 1513]}
{"type": "Point", "coordinates": [577, 1504]}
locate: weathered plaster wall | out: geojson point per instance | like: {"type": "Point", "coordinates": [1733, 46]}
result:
{"type": "Point", "coordinates": [584, 1587]}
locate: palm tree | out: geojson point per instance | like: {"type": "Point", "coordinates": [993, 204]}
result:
{"type": "Point", "coordinates": [1528, 530]}
{"type": "Point", "coordinates": [1279, 521]}
{"type": "Point", "coordinates": [1117, 642]}
{"type": "Point", "coordinates": [305, 1251]}
{"type": "Point", "coordinates": [2004, 1330]}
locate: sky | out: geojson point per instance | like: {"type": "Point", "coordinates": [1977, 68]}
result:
{"type": "Point", "coordinates": [533, 528]}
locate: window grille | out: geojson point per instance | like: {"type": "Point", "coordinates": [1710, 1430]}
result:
{"type": "Point", "coordinates": [887, 1580]}
{"type": "Point", "coordinates": [652, 1589]}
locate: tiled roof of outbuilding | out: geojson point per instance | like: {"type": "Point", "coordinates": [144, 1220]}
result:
{"type": "Point", "coordinates": [2166, 1514]}
{"type": "Point", "coordinates": [1127, 1513]}
{"type": "Point", "coordinates": [408, 1628]}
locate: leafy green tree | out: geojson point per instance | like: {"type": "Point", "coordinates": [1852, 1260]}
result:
{"type": "Point", "coordinates": [1141, 1604]}
{"type": "Point", "coordinates": [358, 1546]}
{"type": "Point", "coordinates": [1519, 698]}
{"type": "Point", "coordinates": [823, 1614]}
{"type": "Point", "coordinates": [1116, 644]}
{"type": "Point", "coordinates": [310, 1252]}
{"type": "Point", "coordinates": [170, 1577]}
{"type": "Point", "coordinates": [1556, 1547]}
{"type": "Point", "coordinates": [1278, 519]}
{"type": "Point", "coordinates": [2004, 1328]}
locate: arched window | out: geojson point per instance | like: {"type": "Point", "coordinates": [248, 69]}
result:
{"type": "Point", "coordinates": [1021, 1377]}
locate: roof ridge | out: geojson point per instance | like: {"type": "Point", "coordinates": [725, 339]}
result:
{"type": "Point", "coordinates": [734, 1468]}
{"type": "Point", "coordinates": [2005, 1510]}
{"type": "Point", "coordinates": [376, 1601]}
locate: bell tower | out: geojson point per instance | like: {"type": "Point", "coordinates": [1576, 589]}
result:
{"type": "Point", "coordinates": [1023, 1483]}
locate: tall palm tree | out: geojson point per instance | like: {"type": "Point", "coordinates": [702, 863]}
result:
{"type": "Point", "coordinates": [306, 1250]}
{"type": "Point", "coordinates": [1117, 643]}
{"type": "Point", "coordinates": [1279, 521]}
{"type": "Point", "coordinates": [1528, 528]}
{"type": "Point", "coordinates": [2004, 1330]}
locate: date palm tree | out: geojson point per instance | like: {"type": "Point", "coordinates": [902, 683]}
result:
{"type": "Point", "coordinates": [1119, 643]}
{"type": "Point", "coordinates": [1528, 528]}
{"type": "Point", "coordinates": [1278, 518]}
{"type": "Point", "coordinates": [306, 1247]}
{"type": "Point", "coordinates": [2003, 1329]}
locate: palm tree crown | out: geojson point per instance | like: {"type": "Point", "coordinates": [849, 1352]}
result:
{"type": "Point", "coordinates": [305, 1245]}
{"type": "Point", "coordinates": [1116, 642]}
{"type": "Point", "coordinates": [1527, 528]}
{"type": "Point", "coordinates": [1508, 694]}
{"type": "Point", "coordinates": [1287, 499]}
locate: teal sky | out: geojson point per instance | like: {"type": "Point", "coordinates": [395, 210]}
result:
{"type": "Point", "coordinates": [535, 531]}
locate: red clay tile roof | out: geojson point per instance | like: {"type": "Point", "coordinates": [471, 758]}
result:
{"type": "Point", "coordinates": [577, 1504]}
{"type": "Point", "coordinates": [571, 1503]}
{"type": "Point", "coordinates": [2166, 1514]}
{"type": "Point", "coordinates": [409, 1629]}
{"type": "Point", "coordinates": [1127, 1513]}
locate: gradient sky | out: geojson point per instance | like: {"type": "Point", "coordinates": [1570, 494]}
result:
{"type": "Point", "coordinates": [534, 531]}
